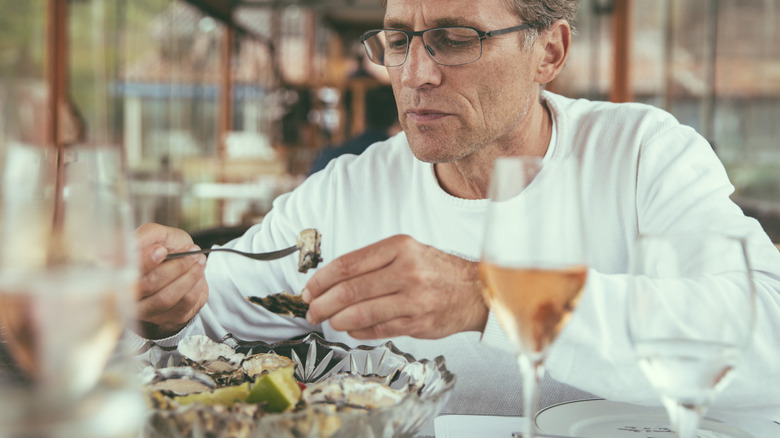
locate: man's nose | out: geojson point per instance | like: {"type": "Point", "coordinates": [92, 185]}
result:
{"type": "Point", "coordinates": [420, 68]}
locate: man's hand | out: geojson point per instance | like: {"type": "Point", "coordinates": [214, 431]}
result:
{"type": "Point", "coordinates": [170, 293]}
{"type": "Point", "coordinates": [397, 287]}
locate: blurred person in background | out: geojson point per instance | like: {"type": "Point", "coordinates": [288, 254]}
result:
{"type": "Point", "coordinates": [381, 119]}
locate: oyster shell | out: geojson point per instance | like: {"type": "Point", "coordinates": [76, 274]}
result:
{"type": "Point", "coordinates": [309, 243]}
{"type": "Point", "coordinates": [209, 355]}
{"type": "Point", "coordinates": [353, 391]}
{"type": "Point", "coordinates": [262, 362]}
{"type": "Point", "coordinates": [282, 304]}
{"type": "Point", "coordinates": [234, 421]}
{"type": "Point", "coordinates": [177, 380]}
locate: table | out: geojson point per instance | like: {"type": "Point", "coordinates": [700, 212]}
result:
{"type": "Point", "coordinates": [479, 426]}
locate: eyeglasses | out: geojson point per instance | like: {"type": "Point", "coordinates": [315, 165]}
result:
{"type": "Point", "coordinates": [446, 45]}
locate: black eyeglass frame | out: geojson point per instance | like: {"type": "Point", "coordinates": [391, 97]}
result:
{"type": "Point", "coordinates": [483, 35]}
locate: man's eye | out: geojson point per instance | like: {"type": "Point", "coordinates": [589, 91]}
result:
{"type": "Point", "coordinates": [455, 43]}
{"type": "Point", "coordinates": [396, 43]}
{"type": "Point", "coordinates": [452, 40]}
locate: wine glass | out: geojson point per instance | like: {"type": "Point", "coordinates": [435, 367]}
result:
{"type": "Point", "coordinates": [690, 316]}
{"type": "Point", "coordinates": [68, 280]}
{"type": "Point", "coordinates": [533, 260]}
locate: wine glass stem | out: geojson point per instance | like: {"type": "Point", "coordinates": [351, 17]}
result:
{"type": "Point", "coordinates": [532, 371]}
{"type": "Point", "coordinates": [686, 419]}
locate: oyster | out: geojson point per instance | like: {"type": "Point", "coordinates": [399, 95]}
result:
{"type": "Point", "coordinates": [208, 355]}
{"type": "Point", "coordinates": [262, 362]}
{"type": "Point", "coordinates": [353, 391]}
{"type": "Point", "coordinates": [177, 380]}
{"type": "Point", "coordinates": [309, 244]}
{"type": "Point", "coordinates": [282, 304]}
{"type": "Point", "coordinates": [234, 421]}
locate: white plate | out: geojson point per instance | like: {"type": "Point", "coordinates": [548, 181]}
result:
{"type": "Point", "coordinates": [604, 418]}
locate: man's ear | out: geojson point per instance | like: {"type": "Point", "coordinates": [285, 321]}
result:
{"type": "Point", "coordinates": [556, 40]}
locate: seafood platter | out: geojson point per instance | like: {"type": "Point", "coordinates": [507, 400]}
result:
{"type": "Point", "coordinates": [307, 388]}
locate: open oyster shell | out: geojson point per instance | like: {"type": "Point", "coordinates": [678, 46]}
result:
{"type": "Point", "coordinates": [202, 352]}
{"type": "Point", "coordinates": [353, 391]}
{"type": "Point", "coordinates": [177, 380]}
{"type": "Point", "coordinates": [282, 304]}
{"type": "Point", "coordinates": [426, 386]}
{"type": "Point", "coordinates": [259, 363]}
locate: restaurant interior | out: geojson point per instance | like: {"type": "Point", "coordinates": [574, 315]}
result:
{"type": "Point", "coordinates": [218, 107]}
{"type": "Point", "coordinates": [221, 105]}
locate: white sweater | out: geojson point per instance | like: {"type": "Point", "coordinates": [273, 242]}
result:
{"type": "Point", "coordinates": [643, 172]}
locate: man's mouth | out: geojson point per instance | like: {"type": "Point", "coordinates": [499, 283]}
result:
{"type": "Point", "coordinates": [422, 115]}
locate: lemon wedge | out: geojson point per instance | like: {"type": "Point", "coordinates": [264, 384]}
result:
{"type": "Point", "coordinates": [278, 389]}
{"type": "Point", "coordinates": [220, 396]}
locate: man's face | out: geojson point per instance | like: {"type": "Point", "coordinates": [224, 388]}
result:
{"type": "Point", "coordinates": [450, 112]}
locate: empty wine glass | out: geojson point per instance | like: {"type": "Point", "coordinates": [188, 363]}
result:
{"type": "Point", "coordinates": [68, 279]}
{"type": "Point", "coordinates": [533, 261]}
{"type": "Point", "coordinates": [690, 317]}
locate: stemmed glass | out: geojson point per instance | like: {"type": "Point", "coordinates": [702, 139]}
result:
{"type": "Point", "coordinates": [533, 260]}
{"type": "Point", "coordinates": [68, 280]}
{"type": "Point", "coordinates": [690, 316]}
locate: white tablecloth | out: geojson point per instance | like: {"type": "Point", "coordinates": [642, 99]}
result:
{"type": "Point", "coordinates": [479, 426]}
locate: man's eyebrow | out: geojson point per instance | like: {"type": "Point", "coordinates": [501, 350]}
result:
{"type": "Point", "coordinates": [391, 23]}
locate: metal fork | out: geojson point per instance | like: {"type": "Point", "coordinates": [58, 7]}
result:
{"type": "Point", "coordinates": [273, 255]}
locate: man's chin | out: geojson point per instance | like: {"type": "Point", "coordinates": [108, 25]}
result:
{"type": "Point", "coordinates": [430, 146]}
{"type": "Point", "coordinates": [436, 155]}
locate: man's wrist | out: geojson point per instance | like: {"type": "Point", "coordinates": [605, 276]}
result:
{"type": "Point", "coordinates": [153, 331]}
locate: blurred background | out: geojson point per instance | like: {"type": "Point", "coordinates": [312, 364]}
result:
{"type": "Point", "coordinates": [222, 105]}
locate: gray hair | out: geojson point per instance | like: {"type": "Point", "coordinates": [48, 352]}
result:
{"type": "Point", "coordinates": [540, 14]}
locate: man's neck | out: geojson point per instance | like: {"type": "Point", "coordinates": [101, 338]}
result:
{"type": "Point", "coordinates": [469, 177]}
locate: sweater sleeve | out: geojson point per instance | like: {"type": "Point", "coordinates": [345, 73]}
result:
{"type": "Point", "coordinates": [232, 279]}
{"type": "Point", "coordinates": [680, 185]}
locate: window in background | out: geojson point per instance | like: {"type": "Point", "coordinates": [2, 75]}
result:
{"type": "Point", "coordinates": [721, 75]}
{"type": "Point", "coordinates": [167, 83]}
{"type": "Point", "coordinates": [186, 171]}
{"type": "Point", "coordinates": [147, 75]}
{"type": "Point", "coordinates": [714, 64]}
{"type": "Point", "coordinates": [23, 88]}
{"type": "Point", "coordinates": [587, 72]}
{"type": "Point", "coordinates": [93, 48]}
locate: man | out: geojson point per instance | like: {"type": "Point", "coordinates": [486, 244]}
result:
{"type": "Point", "coordinates": [401, 223]}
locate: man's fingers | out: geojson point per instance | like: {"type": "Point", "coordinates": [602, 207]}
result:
{"type": "Point", "coordinates": [170, 292]}
{"type": "Point", "coordinates": [151, 256]}
{"type": "Point", "coordinates": [347, 293]}
{"type": "Point", "coordinates": [173, 294]}
{"type": "Point", "coordinates": [164, 274]}
{"type": "Point", "coordinates": [188, 306]}
{"type": "Point", "coordinates": [156, 241]}
{"type": "Point", "coordinates": [367, 314]}
{"type": "Point", "coordinates": [367, 259]}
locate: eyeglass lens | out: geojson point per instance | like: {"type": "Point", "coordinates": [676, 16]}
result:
{"type": "Point", "coordinates": [447, 46]}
